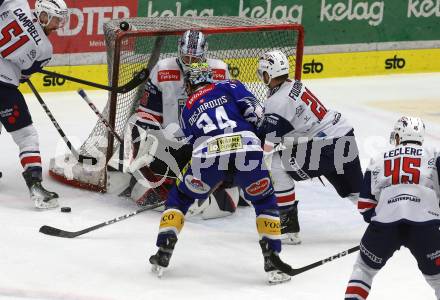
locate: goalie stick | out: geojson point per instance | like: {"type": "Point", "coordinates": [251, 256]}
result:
{"type": "Point", "coordinates": [49, 230]}
{"type": "Point", "coordinates": [81, 158]}
{"type": "Point", "coordinates": [137, 80]}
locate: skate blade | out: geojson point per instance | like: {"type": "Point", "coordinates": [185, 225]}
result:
{"type": "Point", "coordinates": [158, 270]}
{"type": "Point", "coordinates": [46, 205]}
{"type": "Point", "coordinates": [291, 239]}
{"type": "Point", "coordinates": [277, 277]}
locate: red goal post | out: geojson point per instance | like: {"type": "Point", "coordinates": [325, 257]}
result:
{"type": "Point", "coordinates": [238, 41]}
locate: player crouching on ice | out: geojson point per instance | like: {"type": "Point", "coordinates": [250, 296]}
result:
{"type": "Point", "coordinates": [24, 50]}
{"type": "Point", "coordinates": [221, 120]}
{"type": "Point", "coordinates": [400, 199]}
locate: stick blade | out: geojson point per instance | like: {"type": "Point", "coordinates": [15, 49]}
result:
{"type": "Point", "coordinates": [49, 230]}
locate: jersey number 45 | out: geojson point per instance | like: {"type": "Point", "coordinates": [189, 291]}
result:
{"type": "Point", "coordinates": [403, 170]}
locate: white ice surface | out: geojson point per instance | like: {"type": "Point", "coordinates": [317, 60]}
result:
{"type": "Point", "coordinates": [217, 259]}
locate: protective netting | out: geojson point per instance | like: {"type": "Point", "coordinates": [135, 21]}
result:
{"type": "Point", "coordinates": [236, 40]}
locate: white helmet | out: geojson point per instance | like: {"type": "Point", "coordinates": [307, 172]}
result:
{"type": "Point", "coordinates": [192, 44]}
{"type": "Point", "coordinates": [274, 63]}
{"type": "Point", "coordinates": [53, 8]}
{"type": "Point", "coordinates": [408, 129]}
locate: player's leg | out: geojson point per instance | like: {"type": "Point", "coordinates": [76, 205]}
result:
{"type": "Point", "coordinates": [257, 187]}
{"type": "Point", "coordinates": [284, 187]}
{"type": "Point", "coordinates": [16, 119]}
{"type": "Point", "coordinates": [377, 245]}
{"type": "Point", "coordinates": [198, 179]}
{"type": "Point", "coordinates": [346, 177]}
{"type": "Point", "coordinates": [424, 244]}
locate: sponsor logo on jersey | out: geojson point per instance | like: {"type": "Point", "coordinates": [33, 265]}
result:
{"type": "Point", "coordinates": [434, 255]}
{"type": "Point", "coordinates": [433, 213]}
{"type": "Point", "coordinates": [336, 118]}
{"type": "Point", "coordinates": [395, 63]}
{"type": "Point", "coordinates": [299, 110]}
{"type": "Point", "coordinates": [168, 75]}
{"type": "Point", "coordinates": [404, 197]}
{"type": "Point", "coordinates": [227, 143]}
{"type": "Point", "coordinates": [196, 185]}
{"type": "Point", "coordinates": [259, 187]}
{"type": "Point", "coordinates": [336, 12]}
{"type": "Point", "coordinates": [219, 74]}
{"type": "Point", "coordinates": [197, 95]}
{"type": "Point", "coordinates": [370, 255]}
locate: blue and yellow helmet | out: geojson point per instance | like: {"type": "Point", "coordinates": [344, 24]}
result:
{"type": "Point", "coordinates": [198, 73]}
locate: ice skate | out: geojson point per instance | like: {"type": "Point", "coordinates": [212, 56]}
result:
{"type": "Point", "coordinates": [161, 259]}
{"type": "Point", "coordinates": [276, 270]}
{"type": "Point", "coordinates": [290, 226]}
{"type": "Point", "coordinates": [43, 199]}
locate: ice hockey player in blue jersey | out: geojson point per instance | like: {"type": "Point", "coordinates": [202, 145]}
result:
{"type": "Point", "coordinates": [220, 120]}
{"type": "Point", "coordinates": [400, 200]}
{"type": "Point", "coordinates": [24, 50]}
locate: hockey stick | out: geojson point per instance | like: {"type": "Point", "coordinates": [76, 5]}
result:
{"type": "Point", "coordinates": [79, 157]}
{"type": "Point", "coordinates": [137, 80]}
{"type": "Point", "coordinates": [294, 272]}
{"type": "Point", "coordinates": [146, 171]}
{"type": "Point", "coordinates": [49, 230]}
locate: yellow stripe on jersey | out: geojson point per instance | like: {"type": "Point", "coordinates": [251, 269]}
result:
{"type": "Point", "coordinates": [172, 219]}
{"type": "Point", "coordinates": [182, 173]}
{"type": "Point", "coordinates": [269, 226]}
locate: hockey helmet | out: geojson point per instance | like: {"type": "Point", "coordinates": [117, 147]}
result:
{"type": "Point", "coordinates": [198, 73]}
{"type": "Point", "coordinates": [408, 129]}
{"type": "Point", "coordinates": [274, 63]}
{"type": "Point", "coordinates": [192, 46]}
{"type": "Point", "coordinates": [53, 9]}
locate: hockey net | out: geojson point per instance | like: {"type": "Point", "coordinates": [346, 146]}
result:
{"type": "Point", "coordinates": [236, 40]}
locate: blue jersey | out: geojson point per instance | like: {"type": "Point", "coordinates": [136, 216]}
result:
{"type": "Point", "coordinates": [220, 108]}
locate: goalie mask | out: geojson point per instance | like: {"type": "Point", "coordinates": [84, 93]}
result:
{"type": "Point", "coordinates": [408, 129]}
{"type": "Point", "coordinates": [55, 9]}
{"type": "Point", "coordinates": [274, 63]}
{"type": "Point", "coordinates": [192, 46]}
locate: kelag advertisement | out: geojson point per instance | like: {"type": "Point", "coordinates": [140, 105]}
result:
{"type": "Point", "coordinates": [342, 37]}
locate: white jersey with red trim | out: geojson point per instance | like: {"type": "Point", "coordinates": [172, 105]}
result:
{"type": "Point", "coordinates": [24, 47]}
{"type": "Point", "coordinates": [292, 110]}
{"type": "Point", "coordinates": [165, 93]}
{"type": "Point", "coordinates": [402, 185]}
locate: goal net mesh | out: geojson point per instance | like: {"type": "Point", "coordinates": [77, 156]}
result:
{"type": "Point", "coordinates": [236, 40]}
